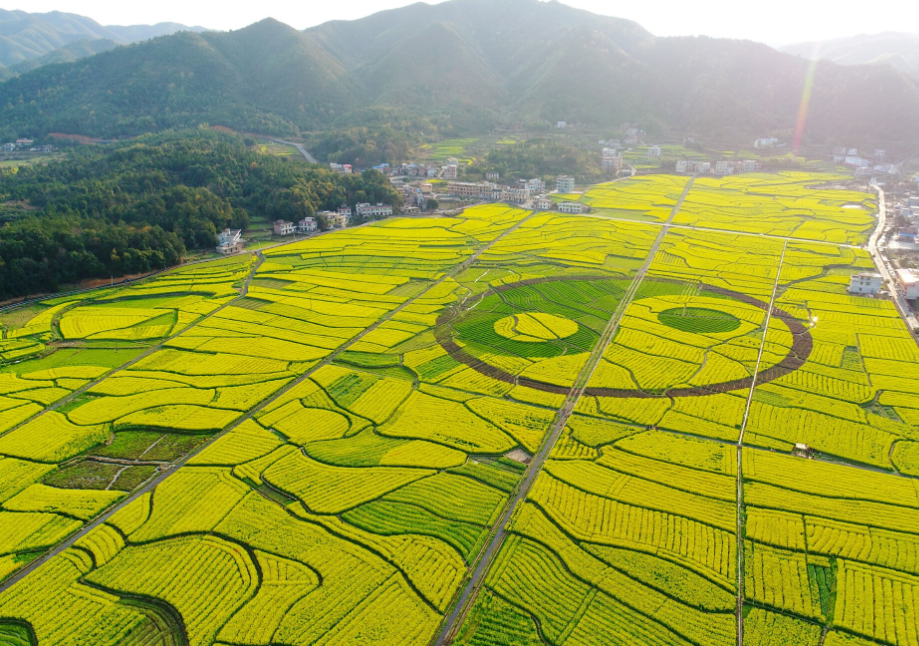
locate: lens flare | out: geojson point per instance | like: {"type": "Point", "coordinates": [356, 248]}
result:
{"type": "Point", "coordinates": [806, 98]}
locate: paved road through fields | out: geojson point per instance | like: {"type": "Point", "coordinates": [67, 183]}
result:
{"type": "Point", "coordinates": [470, 592]}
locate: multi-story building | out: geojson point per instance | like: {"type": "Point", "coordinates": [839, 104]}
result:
{"type": "Point", "coordinates": [908, 280]}
{"type": "Point", "coordinates": [492, 176]}
{"type": "Point", "coordinates": [451, 171]}
{"type": "Point", "coordinates": [865, 283]}
{"type": "Point", "coordinates": [543, 203]}
{"type": "Point", "coordinates": [572, 207]}
{"type": "Point", "coordinates": [471, 189]}
{"type": "Point", "coordinates": [653, 151]}
{"type": "Point", "coordinates": [724, 168]}
{"type": "Point", "coordinates": [514, 195]}
{"type": "Point", "coordinates": [307, 225]}
{"type": "Point", "coordinates": [229, 241]}
{"type": "Point", "coordinates": [751, 166]}
{"type": "Point", "coordinates": [283, 227]}
{"type": "Point", "coordinates": [534, 185]}
{"type": "Point", "coordinates": [345, 211]}
{"type": "Point", "coordinates": [334, 219]}
{"type": "Point", "coordinates": [373, 211]}
{"type": "Point", "coordinates": [564, 184]}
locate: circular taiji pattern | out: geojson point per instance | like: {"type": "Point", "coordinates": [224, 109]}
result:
{"type": "Point", "coordinates": [679, 318]}
{"type": "Point", "coordinates": [535, 327]}
{"type": "Point", "coordinates": [699, 320]}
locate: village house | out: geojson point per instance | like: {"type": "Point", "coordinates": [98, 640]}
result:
{"type": "Point", "coordinates": [229, 241]}
{"type": "Point", "coordinates": [283, 227]}
{"type": "Point", "coordinates": [865, 283]}
{"type": "Point", "coordinates": [307, 225]}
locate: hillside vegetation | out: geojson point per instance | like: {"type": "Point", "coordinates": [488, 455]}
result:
{"type": "Point", "coordinates": [139, 206]}
{"type": "Point", "coordinates": [468, 65]}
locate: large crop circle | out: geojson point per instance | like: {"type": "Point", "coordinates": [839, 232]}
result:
{"type": "Point", "coordinates": [678, 318]}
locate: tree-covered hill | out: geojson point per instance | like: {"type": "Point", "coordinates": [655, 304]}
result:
{"type": "Point", "coordinates": [138, 206]}
{"type": "Point", "coordinates": [467, 65]}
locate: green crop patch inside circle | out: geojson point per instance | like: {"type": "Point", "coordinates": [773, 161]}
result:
{"type": "Point", "coordinates": [535, 327]}
{"type": "Point", "coordinates": [698, 319]}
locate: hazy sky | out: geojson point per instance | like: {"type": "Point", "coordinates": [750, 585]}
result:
{"type": "Point", "coordinates": [775, 22]}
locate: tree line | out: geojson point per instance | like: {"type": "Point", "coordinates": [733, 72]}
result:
{"type": "Point", "coordinates": [139, 206]}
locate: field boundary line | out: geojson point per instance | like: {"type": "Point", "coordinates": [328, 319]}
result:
{"type": "Point", "coordinates": [143, 355]}
{"type": "Point", "coordinates": [698, 229]}
{"type": "Point", "coordinates": [743, 427]}
{"type": "Point", "coordinates": [454, 621]}
{"type": "Point", "coordinates": [178, 464]}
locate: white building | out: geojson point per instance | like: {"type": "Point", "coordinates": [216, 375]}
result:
{"type": "Point", "coordinates": [534, 185]}
{"type": "Point", "coordinates": [374, 211]}
{"type": "Point", "coordinates": [909, 283]}
{"type": "Point", "coordinates": [653, 151]}
{"type": "Point", "coordinates": [307, 225]}
{"type": "Point", "coordinates": [283, 227]}
{"type": "Point", "coordinates": [751, 166]}
{"type": "Point", "coordinates": [724, 168]}
{"type": "Point", "coordinates": [865, 283]}
{"type": "Point", "coordinates": [492, 176]}
{"type": "Point", "coordinates": [562, 124]}
{"type": "Point", "coordinates": [543, 203]}
{"type": "Point", "coordinates": [345, 211]}
{"type": "Point", "coordinates": [609, 162]}
{"type": "Point", "coordinates": [572, 207]}
{"type": "Point", "coordinates": [335, 219]}
{"type": "Point", "coordinates": [514, 195]}
{"type": "Point", "coordinates": [229, 241]}
{"type": "Point", "coordinates": [564, 184]}
{"type": "Point", "coordinates": [766, 142]}
{"type": "Point", "coordinates": [470, 189]}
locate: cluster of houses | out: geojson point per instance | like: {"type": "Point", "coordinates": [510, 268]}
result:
{"type": "Point", "coordinates": [521, 193]}
{"type": "Point", "coordinates": [526, 191]}
{"type": "Point", "coordinates": [908, 210]}
{"type": "Point", "coordinates": [869, 283]}
{"type": "Point", "coordinates": [26, 145]}
{"type": "Point", "coordinates": [865, 167]}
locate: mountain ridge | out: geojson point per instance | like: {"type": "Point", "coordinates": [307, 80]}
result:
{"type": "Point", "coordinates": [897, 49]}
{"type": "Point", "coordinates": [469, 65]}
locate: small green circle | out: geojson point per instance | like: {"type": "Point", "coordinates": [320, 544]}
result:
{"type": "Point", "coordinates": [699, 319]}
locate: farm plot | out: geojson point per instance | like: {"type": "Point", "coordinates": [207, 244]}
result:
{"type": "Point", "coordinates": [647, 197]}
{"type": "Point", "coordinates": [126, 428]}
{"type": "Point", "coordinates": [355, 494]}
{"type": "Point", "coordinates": [830, 546]}
{"type": "Point", "coordinates": [687, 348]}
{"type": "Point", "coordinates": [854, 397]}
{"type": "Point", "coordinates": [789, 204]}
{"type": "Point", "coordinates": [635, 544]}
{"type": "Point", "coordinates": [346, 499]}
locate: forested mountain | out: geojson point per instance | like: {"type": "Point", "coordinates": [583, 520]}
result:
{"type": "Point", "coordinates": [898, 50]}
{"type": "Point", "coordinates": [37, 37]}
{"type": "Point", "coordinates": [465, 65]}
{"type": "Point", "coordinates": [138, 206]}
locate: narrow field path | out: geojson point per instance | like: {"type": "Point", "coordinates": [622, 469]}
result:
{"type": "Point", "coordinates": [467, 598]}
{"type": "Point", "coordinates": [743, 428]}
{"type": "Point", "coordinates": [143, 355]}
{"type": "Point", "coordinates": [174, 467]}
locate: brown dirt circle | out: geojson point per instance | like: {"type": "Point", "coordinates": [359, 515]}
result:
{"type": "Point", "coordinates": [800, 351]}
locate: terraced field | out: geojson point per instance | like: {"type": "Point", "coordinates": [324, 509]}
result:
{"type": "Point", "coordinates": [331, 443]}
